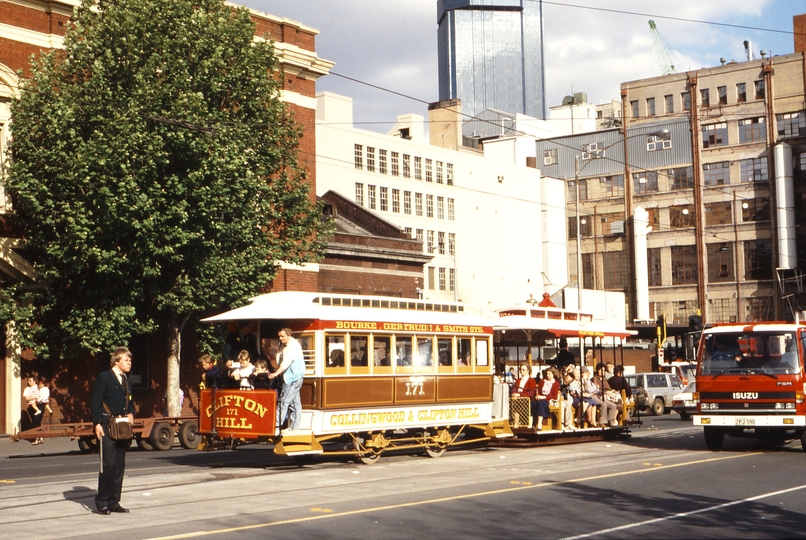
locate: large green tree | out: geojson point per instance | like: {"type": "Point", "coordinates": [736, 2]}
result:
{"type": "Point", "coordinates": [154, 175]}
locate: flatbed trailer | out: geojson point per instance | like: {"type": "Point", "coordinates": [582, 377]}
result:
{"type": "Point", "coordinates": [158, 432]}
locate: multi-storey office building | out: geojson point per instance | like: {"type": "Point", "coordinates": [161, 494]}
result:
{"type": "Point", "coordinates": [490, 55]}
{"type": "Point", "coordinates": [724, 193]}
{"type": "Point", "coordinates": [484, 220]}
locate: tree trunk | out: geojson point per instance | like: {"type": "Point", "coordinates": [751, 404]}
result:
{"type": "Point", "coordinates": [174, 350]}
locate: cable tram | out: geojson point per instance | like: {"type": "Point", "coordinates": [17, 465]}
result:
{"type": "Point", "coordinates": [381, 374]}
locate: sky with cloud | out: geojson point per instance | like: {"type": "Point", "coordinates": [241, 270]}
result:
{"type": "Point", "coordinates": [590, 45]}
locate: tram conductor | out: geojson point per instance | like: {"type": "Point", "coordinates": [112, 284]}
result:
{"type": "Point", "coordinates": [111, 396]}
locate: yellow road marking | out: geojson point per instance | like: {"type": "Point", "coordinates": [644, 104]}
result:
{"type": "Point", "coordinates": [447, 499]}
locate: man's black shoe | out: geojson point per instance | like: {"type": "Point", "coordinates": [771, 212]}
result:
{"type": "Point", "coordinates": [118, 509]}
{"type": "Point", "coordinates": [105, 511]}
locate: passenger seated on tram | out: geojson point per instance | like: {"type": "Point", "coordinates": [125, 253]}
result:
{"type": "Point", "coordinates": [242, 372]}
{"type": "Point", "coordinates": [336, 358]}
{"type": "Point", "coordinates": [444, 358]}
{"type": "Point", "coordinates": [525, 386]}
{"type": "Point", "coordinates": [570, 390]}
{"type": "Point", "coordinates": [359, 357]}
{"type": "Point", "coordinates": [548, 390]}
{"type": "Point", "coordinates": [590, 399]}
{"type": "Point", "coordinates": [259, 378]}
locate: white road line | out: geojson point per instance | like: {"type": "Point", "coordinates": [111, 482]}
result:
{"type": "Point", "coordinates": [685, 514]}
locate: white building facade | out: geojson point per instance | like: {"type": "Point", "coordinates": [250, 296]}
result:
{"type": "Point", "coordinates": [495, 227]}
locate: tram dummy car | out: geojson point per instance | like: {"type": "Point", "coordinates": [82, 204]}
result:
{"type": "Point", "coordinates": [750, 382]}
{"type": "Point", "coordinates": [381, 374]}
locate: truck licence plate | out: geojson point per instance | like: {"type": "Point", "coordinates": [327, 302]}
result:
{"type": "Point", "coordinates": [745, 421]}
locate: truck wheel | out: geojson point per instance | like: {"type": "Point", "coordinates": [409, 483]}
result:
{"type": "Point", "coordinates": [685, 416]}
{"type": "Point", "coordinates": [803, 440]}
{"type": "Point", "coordinates": [713, 438]}
{"type": "Point", "coordinates": [658, 408]}
{"type": "Point", "coordinates": [189, 435]}
{"type": "Point", "coordinates": [162, 436]}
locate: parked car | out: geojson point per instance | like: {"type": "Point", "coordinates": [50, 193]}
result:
{"type": "Point", "coordinates": [684, 370]}
{"type": "Point", "coordinates": [658, 390]}
{"type": "Point", "coordinates": [684, 403]}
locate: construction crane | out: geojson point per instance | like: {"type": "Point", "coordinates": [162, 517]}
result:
{"type": "Point", "coordinates": [661, 50]}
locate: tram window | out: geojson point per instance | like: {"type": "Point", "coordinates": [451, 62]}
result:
{"type": "Point", "coordinates": [381, 346]}
{"type": "Point", "coordinates": [481, 352]}
{"type": "Point", "coordinates": [358, 350]}
{"type": "Point", "coordinates": [445, 351]}
{"type": "Point", "coordinates": [335, 351]}
{"type": "Point", "coordinates": [306, 341]}
{"type": "Point", "coordinates": [463, 351]}
{"type": "Point", "coordinates": [425, 351]}
{"type": "Point", "coordinates": [403, 351]}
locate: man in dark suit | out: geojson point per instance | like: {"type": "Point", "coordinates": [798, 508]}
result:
{"type": "Point", "coordinates": [112, 389]}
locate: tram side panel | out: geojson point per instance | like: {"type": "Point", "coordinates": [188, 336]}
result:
{"type": "Point", "coordinates": [235, 414]}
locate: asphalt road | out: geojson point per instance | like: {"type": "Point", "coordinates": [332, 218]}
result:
{"type": "Point", "coordinates": [661, 483]}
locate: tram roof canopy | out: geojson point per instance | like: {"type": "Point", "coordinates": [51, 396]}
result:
{"type": "Point", "coordinates": [291, 305]}
{"type": "Point", "coordinates": [556, 322]}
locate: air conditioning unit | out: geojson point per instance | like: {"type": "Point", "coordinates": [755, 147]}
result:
{"type": "Point", "coordinates": [617, 227]}
{"type": "Point", "coordinates": [549, 160]}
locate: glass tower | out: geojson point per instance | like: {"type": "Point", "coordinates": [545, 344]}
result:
{"type": "Point", "coordinates": [491, 55]}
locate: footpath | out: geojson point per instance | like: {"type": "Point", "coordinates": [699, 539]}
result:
{"type": "Point", "coordinates": [51, 446]}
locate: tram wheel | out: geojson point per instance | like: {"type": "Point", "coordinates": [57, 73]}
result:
{"type": "Point", "coordinates": [162, 436]}
{"type": "Point", "coordinates": [189, 435]}
{"type": "Point", "coordinates": [438, 448]}
{"type": "Point", "coordinates": [366, 457]}
{"type": "Point", "coordinates": [87, 445]}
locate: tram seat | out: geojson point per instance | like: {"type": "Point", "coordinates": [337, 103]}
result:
{"type": "Point", "coordinates": [627, 408]}
{"type": "Point", "coordinates": [556, 414]}
{"type": "Point", "coordinates": [520, 412]}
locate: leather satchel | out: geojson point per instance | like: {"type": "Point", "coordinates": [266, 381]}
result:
{"type": "Point", "coordinates": [119, 428]}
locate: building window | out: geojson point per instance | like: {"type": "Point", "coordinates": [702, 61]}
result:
{"type": "Point", "coordinates": [760, 92]}
{"type": "Point", "coordinates": [406, 166]}
{"type": "Point", "coordinates": [654, 267]}
{"type": "Point", "coordinates": [449, 174]}
{"type": "Point", "coordinates": [407, 202]}
{"type": "Point", "coordinates": [572, 191]}
{"type": "Point", "coordinates": [408, 231]}
{"type": "Point", "coordinates": [722, 91]}
{"type": "Point", "coordinates": [758, 309]}
{"type": "Point", "coordinates": [418, 204]}
{"type": "Point", "coordinates": [396, 200]}
{"type": "Point", "coordinates": [382, 161]}
{"type": "Point", "coordinates": [654, 142]}
{"type": "Point", "coordinates": [754, 169]}
{"type": "Point", "coordinates": [359, 194]}
{"type": "Point", "coordinates": [650, 106]}
{"type": "Point", "coordinates": [550, 156]}
{"type": "Point", "coordinates": [681, 216]}
{"type": "Point", "coordinates": [429, 170]}
{"type": "Point", "coordinates": [757, 259]}
{"type": "Point", "coordinates": [755, 210]}
{"type": "Point", "coordinates": [800, 166]}
{"type": "Point", "coordinates": [419, 237]}
{"type": "Point", "coordinates": [720, 262]}
{"type": "Point", "coordinates": [718, 213]}
{"type": "Point", "coordinates": [418, 168]}
{"type": "Point", "coordinates": [442, 285]}
{"type": "Point", "coordinates": [684, 265]}
{"type": "Point", "coordinates": [716, 174]}
{"type": "Point", "coordinates": [752, 130]}
{"type": "Point", "coordinates": [705, 98]}
{"type": "Point", "coordinates": [429, 206]}
{"type": "Point", "coordinates": [431, 279]}
{"type": "Point", "coordinates": [585, 227]}
{"type": "Point", "coordinates": [722, 309]}
{"type": "Point", "coordinates": [634, 108]}
{"type": "Point", "coordinates": [451, 244]}
{"type": "Point", "coordinates": [610, 186]}
{"type": "Point", "coordinates": [370, 159]}
{"type": "Point", "coordinates": [741, 92]}
{"type": "Point", "coordinates": [371, 193]}
{"type": "Point", "coordinates": [791, 124]}
{"type": "Point", "coordinates": [715, 135]}
{"type": "Point", "coordinates": [451, 279]}
{"type": "Point", "coordinates": [611, 224]}
{"type": "Point", "coordinates": [395, 164]}
{"type": "Point", "coordinates": [588, 271]}
{"type": "Point", "coordinates": [645, 182]}
{"type": "Point", "coordinates": [430, 236]}
{"type": "Point", "coordinates": [685, 97]}
{"type": "Point", "coordinates": [441, 242]}
{"type": "Point", "coordinates": [669, 103]}
{"type": "Point", "coordinates": [681, 177]}
{"type": "Point", "coordinates": [384, 199]}
{"type": "Point", "coordinates": [440, 207]}
{"type": "Point", "coordinates": [652, 218]}
{"type": "Point", "coordinates": [359, 156]}
{"type": "Point", "coordinates": [439, 172]}
{"type": "Point", "coordinates": [615, 270]}
{"type": "Point", "coordinates": [451, 210]}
